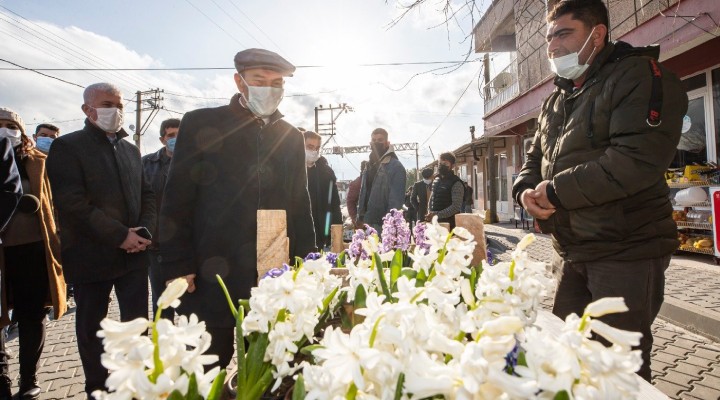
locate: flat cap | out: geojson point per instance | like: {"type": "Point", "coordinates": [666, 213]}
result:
{"type": "Point", "coordinates": [261, 58]}
{"type": "Point", "coordinates": [10, 115]}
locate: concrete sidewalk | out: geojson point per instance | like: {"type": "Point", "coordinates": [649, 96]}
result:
{"type": "Point", "coordinates": [685, 365]}
{"type": "Point", "coordinates": [686, 352]}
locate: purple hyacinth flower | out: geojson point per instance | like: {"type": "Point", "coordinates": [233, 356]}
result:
{"type": "Point", "coordinates": [356, 248]}
{"type": "Point", "coordinates": [421, 240]}
{"type": "Point", "coordinates": [396, 232]}
{"type": "Point", "coordinates": [313, 256]}
{"type": "Point", "coordinates": [332, 259]}
{"type": "Point", "coordinates": [276, 272]}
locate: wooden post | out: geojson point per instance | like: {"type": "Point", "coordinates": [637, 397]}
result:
{"type": "Point", "coordinates": [273, 245]}
{"type": "Point", "coordinates": [474, 224]}
{"type": "Point", "coordinates": [336, 238]}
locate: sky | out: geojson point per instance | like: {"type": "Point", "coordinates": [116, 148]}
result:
{"type": "Point", "coordinates": [331, 41]}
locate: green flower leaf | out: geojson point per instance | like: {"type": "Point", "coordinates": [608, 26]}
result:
{"type": "Point", "coordinates": [218, 386]}
{"type": "Point", "coordinates": [299, 388]}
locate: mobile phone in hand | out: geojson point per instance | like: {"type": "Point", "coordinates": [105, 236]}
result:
{"type": "Point", "coordinates": [144, 233]}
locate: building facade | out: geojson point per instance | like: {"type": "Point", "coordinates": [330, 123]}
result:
{"type": "Point", "coordinates": [512, 32]}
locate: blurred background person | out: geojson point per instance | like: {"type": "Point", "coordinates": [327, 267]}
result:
{"type": "Point", "coordinates": [155, 168]}
{"type": "Point", "coordinates": [322, 186]}
{"type": "Point", "coordinates": [353, 194]}
{"type": "Point", "coordinates": [44, 136]}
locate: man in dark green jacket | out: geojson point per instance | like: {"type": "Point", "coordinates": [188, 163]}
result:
{"type": "Point", "coordinates": [594, 173]}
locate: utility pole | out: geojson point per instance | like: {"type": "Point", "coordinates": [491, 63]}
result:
{"type": "Point", "coordinates": [154, 104]}
{"type": "Point", "coordinates": [328, 128]}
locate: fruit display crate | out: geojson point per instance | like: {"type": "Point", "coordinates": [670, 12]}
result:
{"type": "Point", "coordinates": [683, 185]}
{"type": "Point", "coordinates": [694, 225]}
{"type": "Point", "coordinates": [702, 250]}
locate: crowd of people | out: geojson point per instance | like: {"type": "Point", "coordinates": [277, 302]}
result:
{"type": "Point", "coordinates": [85, 209]}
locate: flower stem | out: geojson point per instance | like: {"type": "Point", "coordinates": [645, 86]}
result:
{"type": "Point", "coordinates": [227, 296]}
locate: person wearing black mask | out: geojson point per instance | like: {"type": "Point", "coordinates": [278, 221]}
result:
{"type": "Point", "coordinates": [383, 183]}
{"type": "Point", "coordinates": [322, 186]}
{"type": "Point", "coordinates": [421, 193]}
{"type": "Point", "coordinates": [448, 191]}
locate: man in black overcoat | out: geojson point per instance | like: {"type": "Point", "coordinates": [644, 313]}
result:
{"type": "Point", "coordinates": [101, 200]}
{"type": "Point", "coordinates": [229, 162]}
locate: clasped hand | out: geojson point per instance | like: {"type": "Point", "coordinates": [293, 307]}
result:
{"type": "Point", "coordinates": [134, 243]}
{"type": "Point", "coordinates": [536, 202]}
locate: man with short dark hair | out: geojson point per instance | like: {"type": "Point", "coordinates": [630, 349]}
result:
{"type": "Point", "coordinates": [155, 167]}
{"type": "Point", "coordinates": [322, 185]}
{"type": "Point", "coordinates": [102, 201]}
{"type": "Point", "coordinates": [383, 183]}
{"type": "Point", "coordinates": [229, 162]}
{"type": "Point", "coordinates": [44, 136]}
{"type": "Point", "coordinates": [420, 195]}
{"type": "Point", "coordinates": [448, 191]}
{"type": "Point", "coordinates": [594, 175]}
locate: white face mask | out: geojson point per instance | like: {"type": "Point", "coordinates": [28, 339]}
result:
{"type": "Point", "coordinates": [568, 66]}
{"type": "Point", "coordinates": [427, 181]}
{"type": "Point", "coordinates": [13, 135]}
{"type": "Point", "coordinates": [109, 119]}
{"type": "Point", "coordinates": [263, 100]}
{"type": "Point", "coordinates": [311, 156]}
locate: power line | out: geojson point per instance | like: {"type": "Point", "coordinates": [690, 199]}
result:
{"type": "Point", "coordinates": [394, 64]}
{"type": "Point", "coordinates": [56, 44]}
{"type": "Point", "coordinates": [215, 23]}
{"type": "Point", "coordinates": [38, 72]}
{"type": "Point", "coordinates": [452, 108]}
{"type": "Point", "coordinates": [255, 25]}
{"type": "Point", "coordinates": [238, 23]}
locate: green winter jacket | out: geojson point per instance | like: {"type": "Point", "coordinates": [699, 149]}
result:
{"type": "Point", "coordinates": [605, 162]}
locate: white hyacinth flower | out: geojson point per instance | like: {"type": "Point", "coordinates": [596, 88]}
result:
{"type": "Point", "coordinates": [170, 297]}
{"type": "Point", "coordinates": [604, 306]}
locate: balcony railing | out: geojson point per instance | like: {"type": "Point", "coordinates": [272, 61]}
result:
{"type": "Point", "coordinates": [502, 88]}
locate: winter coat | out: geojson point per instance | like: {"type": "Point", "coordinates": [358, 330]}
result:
{"type": "Point", "coordinates": [324, 200]}
{"type": "Point", "coordinates": [419, 198]}
{"type": "Point", "coordinates": [226, 166]}
{"type": "Point", "coordinates": [10, 180]}
{"type": "Point", "coordinates": [387, 191]}
{"type": "Point", "coordinates": [155, 169]}
{"type": "Point", "coordinates": [605, 161]}
{"type": "Point", "coordinates": [99, 193]}
{"type": "Point", "coordinates": [35, 164]}
{"type": "Point", "coordinates": [353, 195]}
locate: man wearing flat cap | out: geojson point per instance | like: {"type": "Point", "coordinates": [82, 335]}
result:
{"type": "Point", "coordinates": [229, 162]}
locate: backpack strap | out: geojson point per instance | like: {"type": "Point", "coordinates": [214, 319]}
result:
{"type": "Point", "coordinates": [654, 118]}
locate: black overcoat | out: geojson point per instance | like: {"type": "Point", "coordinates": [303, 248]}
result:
{"type": "Point", "coordinates": [99, 193]}
{"type": "Point", "coordinates": [226, 166]}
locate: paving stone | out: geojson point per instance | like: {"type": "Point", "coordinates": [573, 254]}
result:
{"type": "Point", "coordinates": [678, 351]}
{"type": "Point", "coordinates": [699, 361]}
{"type": "Point", "coordinates": [684, 343]}
{"type": "Point", "coordinates": [670, 389]}
{"type": "Point", "coordinates": [665, 334]}
{"type": "Point", "coordinates": [704, 392]}
{"type": "Point", "coordinates": [705, 353]}
{"type": "Point", "coordinates": [688, 369]}
{"type": "Point", "coordinates": [678, 378]}
{"type": "Point", "coordinates": [710, 381]}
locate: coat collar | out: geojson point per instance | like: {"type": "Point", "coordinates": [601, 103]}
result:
{"type": "Point", "coordinates": [158, 155]}
{"type": "Point", "coordinates": [244, 113]}
{"type": "Point", "coordinates": [97, 132]}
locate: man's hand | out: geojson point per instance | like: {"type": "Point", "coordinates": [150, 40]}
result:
{"type": "Point", "coordinates": [542, 200]}
{"type": "Point", "coordinates": [134, 243]}
{"type": "Point", "coordinates": [359, 224]}
{"type": "Point", "coordinates": [190, 280]}
{"type": "Point", "coordinates": [529, 201]}
{"type": "Point", "coordinates": [429, 216]}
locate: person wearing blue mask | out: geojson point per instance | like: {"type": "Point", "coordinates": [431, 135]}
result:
{"type": "Point", "coordinates": [44, 136]}
{"type": "Point", "coordinates": [155, 167]}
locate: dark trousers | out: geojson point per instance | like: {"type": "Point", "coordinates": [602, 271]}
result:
{"type": "Point", "coordinates": [222, 345]}
{"type": "Point", "coordinates": [641, 283]}
{"type": "Point", "coordinates": [157, 286]}
{"type": "Point", "coordinates": [28, 290]}
{"type": "Point", "coordinates": [92, 301]}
